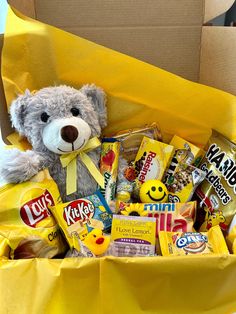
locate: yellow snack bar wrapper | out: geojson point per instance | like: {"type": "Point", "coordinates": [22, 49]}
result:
{"type": "Point", "coordinates": [4, 247]}
{"type": "Point", "coordinates": [152, 159]}
{"type": "Point", "coordinates": [133, 236]}
{"type": "Point", "coordinates": [80, 217]}
{"type": "Point", "coordinates": [26, 220]}
{"type": "Point", "coordinates": [189, 243]}
{"type": "Point", "coordinates": [186, 152]}
{"type": "Point", "coordinates": [109, 169]}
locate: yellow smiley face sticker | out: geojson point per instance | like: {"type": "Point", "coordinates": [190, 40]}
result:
{"type": "Point", "coordinates": [153, 191]}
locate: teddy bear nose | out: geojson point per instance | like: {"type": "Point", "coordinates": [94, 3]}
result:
{"type": "Point", "coordinates": [69, 133]}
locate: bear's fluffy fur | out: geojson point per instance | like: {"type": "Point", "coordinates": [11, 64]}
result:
{"type": "Point", "coordinates": [40, 117]}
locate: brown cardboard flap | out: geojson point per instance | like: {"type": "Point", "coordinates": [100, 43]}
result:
{"type": "Point", "coordinates": [218, 58]}
{"type": "Point", "coordinates": [84, 13]}
{"type": "Point", "coordinates": [214, 8]}
{"type": "Point", "coordinates": [175, 49]}
{"type": "Point", "coordinates": [164, 33]}
{"type": "Point", "coordinates": [26, 7]}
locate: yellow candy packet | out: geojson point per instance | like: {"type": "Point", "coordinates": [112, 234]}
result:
{"type": "Point", "coordinates": [4, 247]}
{"type": "Point", "coordinates": [231, 237]}
{"type": "Point", "coordinates": [26, 221]}
{"type": "Point", "coordinates": [190, 243]}
{"type": "Point", "coordinates": [231, 240]}
{"type": "Point", "coordinates": [217, 193]}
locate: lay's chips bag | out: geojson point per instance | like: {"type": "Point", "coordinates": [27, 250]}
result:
{"type": "Point", "coordinates": [25, 219]}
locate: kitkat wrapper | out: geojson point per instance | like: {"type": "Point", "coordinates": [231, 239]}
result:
{"type": "Point", "coordinates": [79, 217]}
{"type": "Point", "coordinates": [36, 55]}
{"type": "Point", "coordinates": [25, 218]}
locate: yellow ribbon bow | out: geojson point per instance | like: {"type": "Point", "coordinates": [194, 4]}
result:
{"type": "Point", "coordinates": [70, 162]}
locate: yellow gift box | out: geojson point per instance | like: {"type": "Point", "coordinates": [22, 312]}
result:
{"type": "Point", "coordinates": [35, 55]}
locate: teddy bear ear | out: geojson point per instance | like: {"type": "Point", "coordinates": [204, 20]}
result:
{"type": "Point", "coordinates": [98, 98]}
{"type": "Point", "coordinates": [17, 111]}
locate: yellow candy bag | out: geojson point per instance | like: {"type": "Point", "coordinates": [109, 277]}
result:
{"type": "Point", "coordinates": [231, 240]}
{"type": "Point", "coordinates": [231, 237]}
{"type": "Point", "coordinates": [4, 247]}
{"type": "Point", "coordinates": [217, 193]}
{"type": "Point", "coordinates": [187, 243]}
{"type": "Point", "coordinates": [26, 221]}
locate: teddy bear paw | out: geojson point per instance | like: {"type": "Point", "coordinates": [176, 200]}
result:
{"type": "Point", "coordinates": [18, 166]}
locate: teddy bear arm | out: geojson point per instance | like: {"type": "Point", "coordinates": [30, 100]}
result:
{"type": "Point", "coordinates": [18, 166]}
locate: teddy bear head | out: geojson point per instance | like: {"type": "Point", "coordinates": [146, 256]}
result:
{"type": "Point", "coordinates": [60, 119]}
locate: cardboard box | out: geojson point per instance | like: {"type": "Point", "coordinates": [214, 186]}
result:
{"type": "Point", "coordinates": [143, 285]}
{"type": "Point", "coordinates": [169, 34]}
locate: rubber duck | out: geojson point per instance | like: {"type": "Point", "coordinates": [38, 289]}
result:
{"type": "Point", "coordinates": [96, 242]}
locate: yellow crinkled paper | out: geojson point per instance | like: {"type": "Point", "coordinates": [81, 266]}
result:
{"type": "Point", "coordinates": [36, 55]}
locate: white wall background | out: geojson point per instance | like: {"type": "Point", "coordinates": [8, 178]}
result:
{"type": "Point", "coordinates": [3, 10]}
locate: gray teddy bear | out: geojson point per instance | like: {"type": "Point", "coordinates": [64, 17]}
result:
{"type": "Point", "coordinates": [56, 120]}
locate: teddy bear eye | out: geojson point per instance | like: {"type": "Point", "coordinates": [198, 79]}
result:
{"type": "Point", "coordinates": [75, 111]}
{"type": "Point", "coordinates": [44, 117]}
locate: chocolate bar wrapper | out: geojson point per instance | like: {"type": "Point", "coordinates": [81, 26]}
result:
{"type": "Point", "coordinates": [79, 217]}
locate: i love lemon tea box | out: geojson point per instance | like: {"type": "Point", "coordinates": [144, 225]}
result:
{"type": "Point", "coordinates": [152, 159]}
{"type": "Point", "coordinates": [133, 236]}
